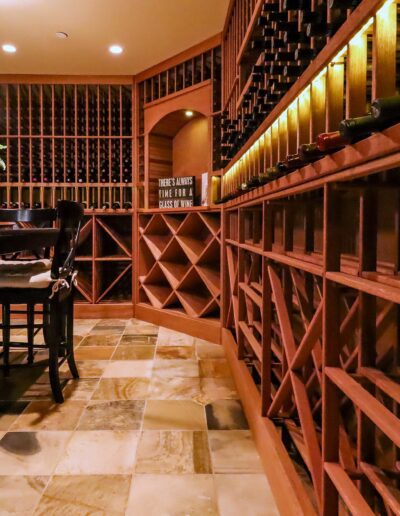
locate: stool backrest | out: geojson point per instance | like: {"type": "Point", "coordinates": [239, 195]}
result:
{"type": "Point", "coordinates": [39, 217]}
{"type": "Point", "coordinates": [69, 219]}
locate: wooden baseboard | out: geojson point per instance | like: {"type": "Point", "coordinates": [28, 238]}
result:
{"type": "Point", "coordinates": [106, 311]}
{"type": "Point", "coordinates": [200, 328]}
{"type": "Point", "coordinates": [290, 495]}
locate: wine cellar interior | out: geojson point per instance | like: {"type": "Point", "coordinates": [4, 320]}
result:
{"type": "Point", "coordinates": [287, 255]}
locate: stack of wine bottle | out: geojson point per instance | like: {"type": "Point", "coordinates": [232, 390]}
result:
{"type": "Point", "coordinates": [66, 136]}
{"type": "Point", "coordinates": [384, 113]}
{"type": "Point", "coordinates": [283, 43]}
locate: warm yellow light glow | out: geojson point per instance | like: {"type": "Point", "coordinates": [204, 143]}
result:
{"type": "Point", "coordinates": [339, 55]}
{"type": "Point", "coordinates": [384, 10]}
{"type": "Point", "coordinates": [358, 39]}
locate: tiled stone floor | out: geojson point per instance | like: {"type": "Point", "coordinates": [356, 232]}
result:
{"type": "Point", "coordinates": [153, 427]}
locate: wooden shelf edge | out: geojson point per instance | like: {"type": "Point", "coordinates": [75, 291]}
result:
{"type": "Point", "coordinates": [200, 328]}
{"type": "Point", "coordinates": [289, 493]}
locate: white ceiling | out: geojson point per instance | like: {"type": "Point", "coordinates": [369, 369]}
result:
{"type": "Point", "coordinates": [149, 30]}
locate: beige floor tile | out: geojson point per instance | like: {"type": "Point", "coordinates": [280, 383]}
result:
{"type": "Point", "coordinates": [84, 495]}
{"type": "Point", "coordinates": [205, 349]}
{"type": "Point", "coordinates": [122, 389]}
{"type": "Point", "coordinates": [113, 322]}
{"type": "Point", "coordinates": [137, 327]}
{"type": "Point", "coordinates": [176, 368]}
{"type": "Point", "coordinates": [173, 415]}
{"type": "Point", "coordinates": [174, 352]}
{"type": "Point", "coordinates": [10, 411]}
{"type": "Point", "coordinates": [20, 494]}
{"type": "Point", "coordinates": [128, 369]}
{"type": "Point", "coordinates": [214, 368]}
{"type": "Point", "coordinates": [80, 389]}
{"type": "Point", "coordinates": [112, 415]}
{"type": "Point", "coordinates": [107, 331]}
{"type": "Point", "coordinates": [100, 340]}
{"type": "Point", "coordinates": [173, 452]}
{"type": "Point", "coordinates": [173, 338]}
{"type": "Point", "coordinates": [233, 451]}
{"type": "Point", "coordinates": [47, 415]}
{"type": "Point", "coordinates": [137, 340]}
{"type": "Point", "coordinates": [31, 453]}
{"type": "Point", "coordinates": [213, 389]}
{"type": "Point", "coordinates": [162, 388]}
{"type": "Point", "coordinates": [244, 495]}
{"type": "Point", "coordinates": [94, 352]}
{"type": "Point", "coordinates": [140, 352]}
{"type": "Point", "coordinates": [99, 452]}
{"type": "Point", "coordinates": [176, 495]}
{"type": "Point", "coordinates": [86, 368]}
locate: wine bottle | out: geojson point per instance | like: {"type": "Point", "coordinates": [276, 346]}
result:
{"type": "Point", "coordinates": [387, 108]}
{"type": "Point", "coordinates": [105, 205]}
{"type": "Point", "coordinates": [127, 205]}
{"type": "Point", "coordinates": [309, 152]}
{"type": "Point", "coordinates": [294, 161]}
{"type": "Point", "coordinates": [361, 126]}
{"type": "Point", "coordinates": [36, 205]}
{"type": "Point", "coordinates": [93, 205]}
{"type": "Point", "coordinates": [327, 142]}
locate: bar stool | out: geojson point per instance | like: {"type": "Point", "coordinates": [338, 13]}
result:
{"type": "Point", "coordinates": [41, 281]}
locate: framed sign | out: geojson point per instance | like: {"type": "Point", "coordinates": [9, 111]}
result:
{"type": "Point", "coordinates": [176, 192]}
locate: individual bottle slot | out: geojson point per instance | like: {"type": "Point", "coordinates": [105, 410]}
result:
{"type": "Point", "coordinates": [93, 199]}
{"type": "Point", "coordinates": [47, 109]}
{"type": "Point", "coordinates": [58, 110]}
{"type": "Point", "coordinates": [104, 199]}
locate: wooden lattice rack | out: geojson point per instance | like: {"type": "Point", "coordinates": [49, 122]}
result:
{"type": "Point", "coordinates": [311, 278]}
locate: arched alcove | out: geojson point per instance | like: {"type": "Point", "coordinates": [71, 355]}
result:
{"type": "Point", "coordinates": [178, 145]}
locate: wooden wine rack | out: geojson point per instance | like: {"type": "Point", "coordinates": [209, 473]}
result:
{"type": "Point", "coordinates": [311, 283]}
{"type": "Point", "coordinates": [179, 263]}
{"type": "Point", "coordinates": [185, 75]}
{"type": "Point", "coordinates": [104, 259]}
{"type": "Point", "coordinates": [241, 101]}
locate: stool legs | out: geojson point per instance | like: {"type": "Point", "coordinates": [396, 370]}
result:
{"type": "Point", "coordinates": [31, 331]}
{"type": "Point", "coordinates": [69, 335]}
{"type": "Point", "coordinates": [6, 338]}
{"type": "Point", "coordinates": [53, 335]}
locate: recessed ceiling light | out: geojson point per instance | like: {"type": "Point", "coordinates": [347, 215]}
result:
{"type": "Point", "coordinates": [62, 35]}
{"type": "Point", "coordinates": [189, 113]}
{"type": "Point", "coordinates": [115, 49]}
{"type": "Point", "coordinates": [10, 49]}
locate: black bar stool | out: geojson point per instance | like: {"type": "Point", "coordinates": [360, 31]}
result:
{"type": "Point", "coordinates": [41, 281]}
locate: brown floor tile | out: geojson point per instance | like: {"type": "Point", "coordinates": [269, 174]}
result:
{"type": "Point", "coordinates": [85, 494]}
{"type": "Point", "coordinates": [145, 352]}
{"type": "Point", "coordinates": [99, 453]}
{"type": "Point", "coordinates": [214, 368]}
{"type": "Point", "coordinates": [20, 494]}
{"type": "Point", "coordinates": [173, 415]}
{"type": "Point", "coordinates": [112, 415]}
{"type": "Point", "coordinates": [100, 340]}
{"type": "Point", "coordinates": [173, 495]}
{"type": "Point", "coordinates": [226, 415]}
{"type": "Point", "coordinates": [173, 452]}
{"type": "Point", "coordinates": [122, 389]}
{"type": "Point", "coordinates": [173, 352]}
{"type": "Point", "coordinates": [47, 415]}
{"type": "Point", "coordinates": [137, 340]}
{"type": "Point", "coordinates": [94, 352]}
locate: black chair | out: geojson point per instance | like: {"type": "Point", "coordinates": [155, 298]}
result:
{"type": "Point", "coordinates": [41, 281]}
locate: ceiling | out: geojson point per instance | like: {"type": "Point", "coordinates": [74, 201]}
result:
{"type": "Point", "coordinates": [149, 30]}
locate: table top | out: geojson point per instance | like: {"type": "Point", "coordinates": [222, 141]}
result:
{"type": "Point", "coordinates": [23, 239]}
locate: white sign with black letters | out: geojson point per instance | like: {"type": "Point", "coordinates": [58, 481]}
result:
{"type": "Point", "coordinates": [176, 192]}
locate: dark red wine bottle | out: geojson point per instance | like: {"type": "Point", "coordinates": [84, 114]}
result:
{"type": "Point", "coordinates": [327, 142]}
